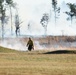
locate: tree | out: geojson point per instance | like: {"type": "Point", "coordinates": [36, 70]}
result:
{"type": "Point", "coordinates": [3, 4]}
{"type": "Point", "coordinates": [17, 23]}
{"type": "Point", "coordinates": [2, 12]}
{"type": "Point", "coordinates": [56, 9]}
{"type": "Point", "coordinates": [72, 12]}
{"type": "Point", "coordinates": [44, 21]}
{"type": "Point", "coordinates": [11, 4]}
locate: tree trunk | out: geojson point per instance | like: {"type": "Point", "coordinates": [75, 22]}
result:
{"type": "Point", "coordinates": [55, 18]}
{"type": "Point", "coordinates": [71, 21]}
{"type": "Point", "coordinates": [45, 30]}
{"type": "Point", "coordinates": [2, 22]}
{"type": "Point", "coordinates": [11, 21]}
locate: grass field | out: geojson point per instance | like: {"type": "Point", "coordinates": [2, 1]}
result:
{"type": "Point", "coordinates": [37, 62]}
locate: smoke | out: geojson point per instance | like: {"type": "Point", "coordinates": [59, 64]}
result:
{"type": "Point", "coordinates": [19, 44]}
{"type": "Point", "coordinates": [13, 44]}
{"type": "Point", "coordinates": [38, 46]}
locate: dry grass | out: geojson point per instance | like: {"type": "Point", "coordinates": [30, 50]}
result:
{"type": "Point", "coordinates": [37, 63]}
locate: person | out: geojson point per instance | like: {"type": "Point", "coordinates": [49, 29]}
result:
{"type": "Point", "coordinates": [30, 44]}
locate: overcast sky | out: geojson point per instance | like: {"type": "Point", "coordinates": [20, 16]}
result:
{"type": "Point", "coordinates": [32, 10]}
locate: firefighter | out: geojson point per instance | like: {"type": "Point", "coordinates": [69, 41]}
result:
{"type": "Point", "coordinates": [30, 44]}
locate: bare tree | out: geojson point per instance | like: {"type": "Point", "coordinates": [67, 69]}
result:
{"type": "Point", "coordinates": [11, 4]}
{"type": "Point", "coordinates": [56, 9]}
{"type": "Point", "coordinates": [17, 23]}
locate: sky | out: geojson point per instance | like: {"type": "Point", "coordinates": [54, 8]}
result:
{"type": "Point", "coordinates": [31, 11]}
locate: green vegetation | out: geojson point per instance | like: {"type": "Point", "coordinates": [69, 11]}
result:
{"type": "Point", "coordinates": [37, 62]}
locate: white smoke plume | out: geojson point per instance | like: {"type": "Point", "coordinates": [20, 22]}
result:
{"type": "Point", "coordinates": [13, 44]}
{"type": "Point", "coordinates": [39, 44]}
{"type": "Point", "coordinates": [19, 44]}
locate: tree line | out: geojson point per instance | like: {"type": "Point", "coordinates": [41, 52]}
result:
{"type": "Point", "coordinates": [71, 14]}
{"type": "Point", "coordinates": [4, 4]}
